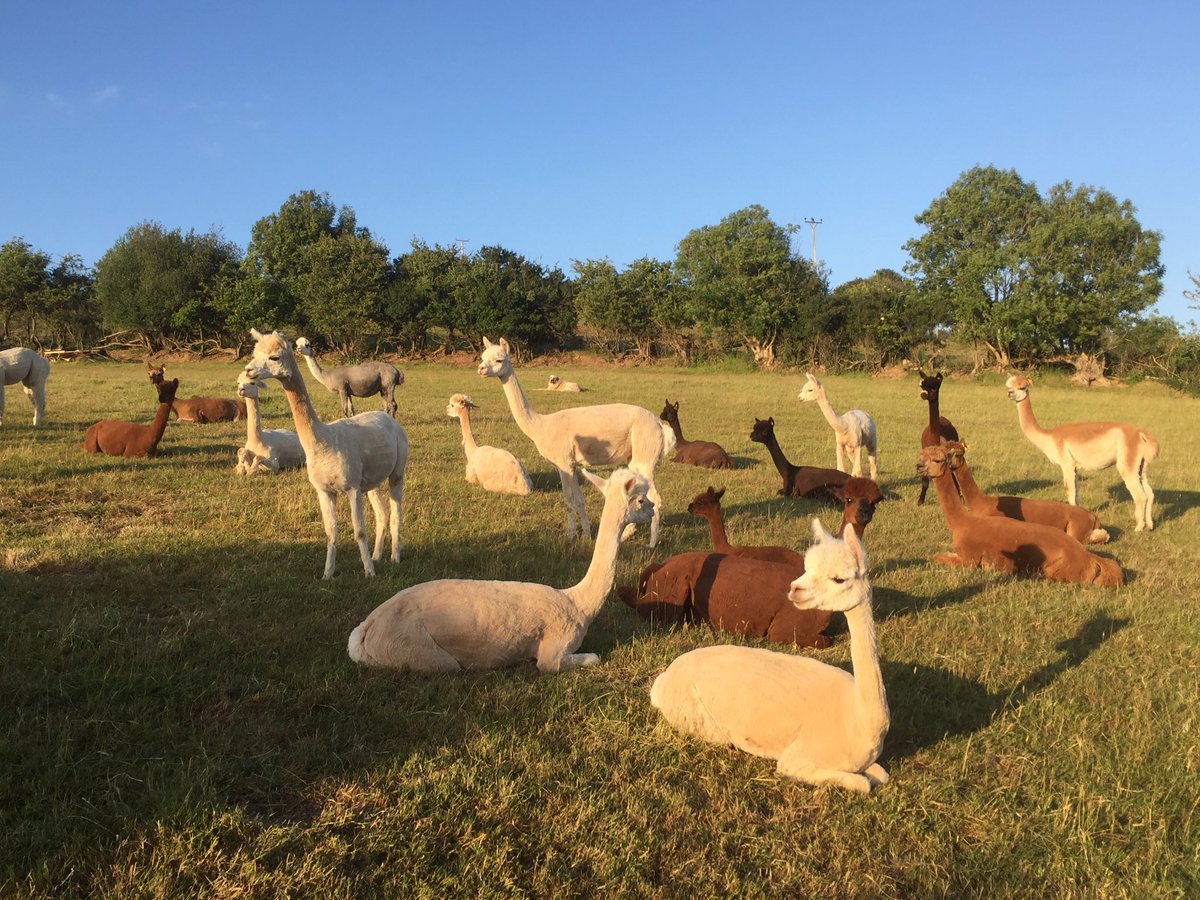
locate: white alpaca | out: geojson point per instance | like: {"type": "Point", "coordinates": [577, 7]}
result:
{"type": "Point", "coordinates": [853, 431]}
{"type": "Point", "coordinates": [492, 468]}
{"type": "Point", "coordinates": [557, 384]}
{"type": "Point", "coordinates": [452, 624]}
{"type": "Point", "coordinates": [266, 452]}
{"type": "Point", "coordinates": [366, 452]}
{"type": "Point", "coordinates": [30, 369]}
{"type": "Point", "coordinates": [821, 723]}
{"type": "Point", "coordinates": [608, 434]}
{"type": "Point", "coordinates": [1092, 445]}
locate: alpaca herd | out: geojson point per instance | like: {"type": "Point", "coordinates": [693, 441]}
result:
{"type": "Point", "coordinates": [820, 723]}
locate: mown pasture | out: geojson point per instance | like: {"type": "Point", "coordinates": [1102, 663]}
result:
{"type": "Point", "coordinates": [181, 719]}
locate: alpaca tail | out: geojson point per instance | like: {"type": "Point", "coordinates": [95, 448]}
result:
{"type": "Point", "coordinates": [1098, 536]}
{"type": "Point", "coordinates": [1149, 447]}
{"type": "Point", "coordinates": [668, 440]}
{"type": "Point", "coordinates": [355, 647]}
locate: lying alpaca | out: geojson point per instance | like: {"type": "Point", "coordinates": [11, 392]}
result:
{"type": "Point", "coordinates": [118, 438]}
{"type": "Point", "coordinates": [201, 410]}
{"type": "Point", "coordinates": [853, 431]}
{"type": "Point", "coordinates": [363, 380]}
{"type": "Point", "coordinates": [29, 369]}
{"type": "Point", "coordinates": [708, 506]}
{"type": "Point", "coordinates": [568, 387]}
{"type": "Point", "coordinates": [940, 429]}
{"type": "Point", "coordinates": [798, 481]}
{"type": "Point", "coordinates": [491, 468]}
{"type": "Point", "coordinates": [266, 452]}
{"type": "Point", "coordinates": [696, 453]}
{"type": "Point", "coordinates": [1092, 445]}
{"type": "Point", "coordinates": [452, 624]}
{"type": "Point", "coordinates": [367, 452]}
{"type": "Point", "coordinates": [584, 435]}
{"type": "Point", "coordinates": [824, 725]}
{"type": "Point", "coordinates": [1074, 520]}
{"type": "Point", "coordinates": [859, 498]}
{"type": "Point", "coordinates": [1008, 545]}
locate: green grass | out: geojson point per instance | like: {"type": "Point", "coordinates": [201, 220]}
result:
{"type": "Point", "coordinates": [181, 718]}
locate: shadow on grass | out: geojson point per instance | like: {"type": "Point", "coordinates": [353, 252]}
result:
{"type": "Point", "coordinates": [1168, 504]}
{"type": "Point", "coordinates": [1021, 487]}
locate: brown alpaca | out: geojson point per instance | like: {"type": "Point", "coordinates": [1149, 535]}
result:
{"type": "Point", "coordinates": [696, 453]}
{"type": "Point", "coordinates": [859, 498]}
{"type": "Point", "coordinates": [940, 429]}
{"type": "Point", "coordinates": [798, 481]}
{"type": "Point", "coordinates": [1076, 521]}
{"type": "Point", "coordinates": [708, 506]}
{"type": "Point", "coordinates": [201, 410]}
{"type": "Point", "coordinates": [1008, 545]}
{"type": "Point", "coordinates": [128, 439]}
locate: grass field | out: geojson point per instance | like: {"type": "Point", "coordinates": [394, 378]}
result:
{"type": "Point", "coordinates": [180, 717]}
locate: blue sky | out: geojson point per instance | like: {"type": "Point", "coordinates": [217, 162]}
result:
{"type": "Point", "coordinates": [584, 130]}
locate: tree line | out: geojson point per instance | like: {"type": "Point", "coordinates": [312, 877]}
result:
{"type": "Point", "coordinates": [1011, 275]}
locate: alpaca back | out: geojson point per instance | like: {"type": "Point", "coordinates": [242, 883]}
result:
{"type": "Point", "coordinates": [370, 447]}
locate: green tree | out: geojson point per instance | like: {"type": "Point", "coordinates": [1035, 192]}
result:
{"type": "Point", "coordinates": [68, 312]}
{"type": "Point", "coordinates": [23, 279]}
{"type": "Point", "coordinates": [419, 295]}
{"type": "Point", "coordinates": [882, 316]}
{"type": "Point", "coordinates": [1194, 293]}
{"type": "Point", "coordinates": [499, 292]}
{"type": "Point", "coordinates": [340, 288]}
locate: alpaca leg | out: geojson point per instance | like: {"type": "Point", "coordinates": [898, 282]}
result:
{"type": "Point", "coordinates": [347, 403]}
{"type": "Point", "coordinates": [395, 502]}
{"type": "Point", "coordinates": [554, 655]}
{"type": "Point", "coordinates": [873, 461]}
{"type": "Point", "coordinates": [953, 559]}
{"type": "Point", "coordinates": [1071, 481]}
{"type": "Point", "coordinates": [841, 449]}
{"type": "Point", "coordinates": [37, 398]}
{"type": "Point", "coordinates": [573, 497]}
{"type": "Point", "coordinates": [793, 765]}
{"type": "Point", "coordinates": [360, 530]}
{"type": "Point", "coordinates": [855, 451]}
{"type": "Point", "coordinates": [1148, 493]}
{"type": "Point", "coordinates": [877, 774]}
{"type": "Point", "coordinates": [2, 393]}
{"type": "Point", "coordinates": [329, 519]}
{"type": "Point", "coordinates": [379, 507]}
{"type": "Point", "coordinates": [389, 402]}
{"type": "Point", "coordinates": [1133, 483]}
{"type": "Point", "coordinates": [924, 490]}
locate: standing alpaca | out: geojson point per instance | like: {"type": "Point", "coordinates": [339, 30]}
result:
{"type": "Point", "coordinates": [363, 380]}
{"type": "Point", "coordinates": [853, 431]}
{"type": "Point", "coordinates": [266, 452]}
{"type": "Point", "coordinates": [1010, 546]}
{"type": "Point", "coordinates": [1092, 445]}
{"type": "Point", "coordinates": [129, 439]}
{"type": "Point", "coordinates": [491, 468]}
{"type": "Point", "coordinates": [696, 453]}
{"type": "Point", "coordinates": [567, 387]}
{"type": "Point", "coordinates": [822, 724]}
{"type": "Point", "coordinates": [940, 429]}
{"type": "Point", "coordinates": [1074, 520]}
{"type": "Point", "coordinates": [608, 434]}
{"type": "Point", "coordinates": [30, 369]}
{"type": "Point", "coordinates": [201, 410]}
{"type": "Point", "coordinates": [798, 481]}
{"type": "Point", "coordinates": [708, 506]}
{"type": "Point", "coordinates": [452, 624]}
{"type": "Point", "coordinates": [367, 452]}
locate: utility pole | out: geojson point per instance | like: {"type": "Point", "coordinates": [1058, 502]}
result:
{"type": "Point", "coordinates": [814, 223]}
{"type": "Point", "coordinates": [462, 244]}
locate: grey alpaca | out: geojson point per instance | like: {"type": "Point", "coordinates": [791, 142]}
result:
{"type": "Point", "coordinates": [363, 380]}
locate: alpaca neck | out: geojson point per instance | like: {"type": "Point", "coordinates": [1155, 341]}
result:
{"type": "Point", "coordinates": [716, 527]}
{"type": "Point", "coordinates": [159, 425]}
{"type": "Point", "coordinates": [253, 425]}
{"type": "Point", "coordinates": [315, 368]}
{"type": "Point", "coordinates": [935, 416]}
{"type": "Point", "coordinates": [589, 595]}
{"type": "Point", "coordinates": [827, 408]}
{"type": "Point", "coordinates": [464, 420]}
{"type": "Point", "coordinates": [527, 420]}
{"type": "Point", "coordinates": [1029, 424]}
{"type": "Point", "coordinates": [678, 429]}
{"type": "Point", "coordinates": [971, 492]}
{"type": "Point", "coordinates": [952, 508]}
{"type": "Point", "coordinates": [312, 432]}
{"type": "Point", "coordinates": [868, 680]}
{"type": "Point", "coordinates": [777, 457]}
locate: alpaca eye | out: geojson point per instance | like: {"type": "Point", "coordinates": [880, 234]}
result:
{"type": "Point", "coordinates": [839, 580]}
{"type": "Point", "coordinates": [274, 358]}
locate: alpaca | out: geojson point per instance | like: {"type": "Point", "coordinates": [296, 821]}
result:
{"type": "Point", "coordinates": [821, 723]}
{"type": "Point", "coordinates": [1074, 520]}
{"type": "Point", "coordinates": [696, 453]}
{"type": "Point", "coordinates": [201, 410]}
{"type": "Point", "coordinates": [30, 369]}
{"type": "Point", "coordinates": [129, 439]}
{"type": "Point", "coordinates": [491, 468]}
{"type": "Point", "coordinates": [707, 505]}
{"type": "Point", "coordinates": [1092, 445]}
{"type": "Point", "coordinates": [266, 452]}
{"type": "Point", "coordinates": [940, 429]}
{"type": "Point", "coordinates": [453, 624]}
{"type": "Point", "coordinates": [567, 387]}
{"type": "Point", "coordinates": [367, 452]}
{"type": "Point", "coordinates": [584, 435]}
{"type": "Point", "coordinates": [364, 380]}
{"type": "Point", "coordinates": [852, 431]}
{"type": "Point", "coordinates": [1008, 545]}
{"type": "Point", "coordinates": [798, 481]}
{"type": "Point", "coordinates": [859, 498]}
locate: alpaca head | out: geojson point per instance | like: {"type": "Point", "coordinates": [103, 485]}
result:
{"type": "Point", "coordinates": [933, 462]}
{"type": "Point", "coordinates": [1018, 387]}
{"type": "Point", "coordinates": [764, 430]}
{"type": "Point", "coordinates": [835, 572]}
{"type": "Point", "coordinates": [670, 413]}
{"type": "Point", "coordinates": [247, 387]}
{"type": "Point", "coordinates": [495, 362]}
{"type": "Point", "coordinates": [459, 402]}
{"type": "Point", "coordinates": [709, 500]}
{"type": "Point", "coordinates": [271, 358]}
{"type": "Point", "coordinates": [811, 390]}
{"type": "Point", "coordinates": [930, 385]}
{"type": "Point", "coordinates": [554, 380]}
{"type": "Point", "coordinates": [156, 373]}
{"type": "Point", "coordinates": [167, 389]}
{"type": "Point", "coordinates": [628, 488]}
{"type": "Point", "coordinates": [859, 498]}
{"type": "Point", "coordinates": [956, 454]}
{"type": "Point", "coordinates": [304, 346]}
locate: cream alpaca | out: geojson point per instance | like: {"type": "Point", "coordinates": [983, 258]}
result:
{"type": "Point", "coordinates": [1092, 445]}
{"type": "Point", "coordinates": [366, 452]}
{"type": "Point", "coordinates": [30, 369]}
{"type": "Point", "coordinates": [567, 387]}
{"type": "Point", "coordinates": [608, 434]}
{"type": "Point", "coordinates": [821, 723]}
{"type": "Point", "coordinates": [266, 452]}
{"type": "Point", "coordinates": [853, 431]}
{"type": "Point", "coordinates": [492, 468]}
{"type": "Point", "coordinates": [452, 624]}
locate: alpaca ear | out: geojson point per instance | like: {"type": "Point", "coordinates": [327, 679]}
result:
{"type": "Point", "coordinates": [771, 419]}
{"type": "Point", "coordinates": [850, 536]}
{"type": "Point", "coordinates": [630, 484]}
{"type": "Point", "coordinates": [504, 345]}
{"type": "Point", "coordinates": [809, 376]}
{"type": "Point", "coordinates": [256, 334]}
{"type": "Point", "coordinates": [599, 482]}
{"type": "Point", "coordinates": [719, 494]}
{"type": "Point", "coordinates": [486, 342]}
{"type": "Point", "coordinates": [175, 381]}
{"type": "Point", "coordinates": [921, 372]}
{"type": "Point", "coordinates": [819, 532]}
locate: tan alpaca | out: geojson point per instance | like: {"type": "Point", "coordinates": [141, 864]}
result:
{"type": "Point", "coordinates": [567, 387]}
{"type": "Point", "coordinates": [996, 542]}
{"type": "Point", "coordinates": [611, 433]}
{"type": "Point", "coordinates": [452, 624]}
{"type": "Point", "coordinates": [1092, 445]}
{"type": "Point", "coordinates": [492, 468]}
{"type": "Point", "coordinates": [823, 724]}
{"type": "Point", "coordinates": [853, 431]}
{"type": "Point", "coordinates": [364, 453]}
{"type": "Point", "coordinates": [266, 452]}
